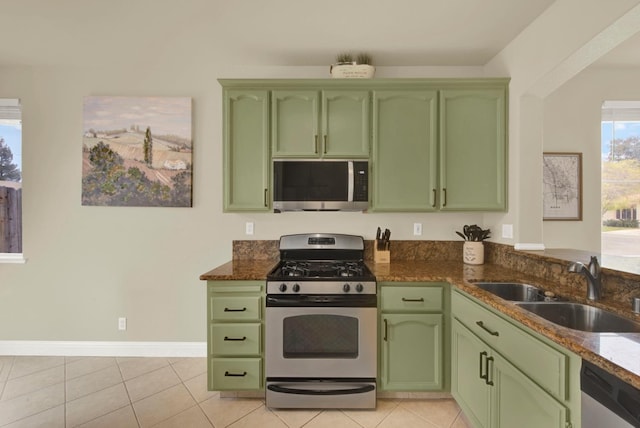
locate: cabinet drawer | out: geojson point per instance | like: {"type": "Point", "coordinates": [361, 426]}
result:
{"type": "Point", "coordinates": [235, 374]}
{"type": "Point", "coordinates": [235, 308]}
{"type": "Point", "coordinates": [235, 339]}
{"type": "Point", "coordinates": [399, 298]}
{"type": "Point", "coordinates": [543, 364]}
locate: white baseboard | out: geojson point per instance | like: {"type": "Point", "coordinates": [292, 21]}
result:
{"type": "Point", "coordinates": [103, 349]}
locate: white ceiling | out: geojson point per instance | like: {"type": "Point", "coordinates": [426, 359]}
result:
{"type": "Point", "coordinates": [271, 33]}
{"type": "Point", "coordinates": [259, 32]}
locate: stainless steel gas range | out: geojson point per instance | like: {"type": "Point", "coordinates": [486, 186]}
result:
{"type": "Point", "coordinates": [321, 324]}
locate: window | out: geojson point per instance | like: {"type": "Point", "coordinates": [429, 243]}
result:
{"type": "Point", "coordinates": [10, 181]}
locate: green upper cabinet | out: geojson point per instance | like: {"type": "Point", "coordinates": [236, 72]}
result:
{"type": "Point", "coordinates": [404, 167]}
{"type": "Point", "coordinates": [432, 144]}
{"type": "Point", "coordinates": [311, 123]}
{"type": "Point", "coordinates": [473, 149]}
{"type": "Point", "coordinates": [294, 126]}
{"type": "Point", "coordinates": [246, 150]}
{"type": "Point", "coordinates": [345, 124]}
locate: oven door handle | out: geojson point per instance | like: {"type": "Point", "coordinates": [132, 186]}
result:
{"type": "Point", "coordinates": [284, 390]}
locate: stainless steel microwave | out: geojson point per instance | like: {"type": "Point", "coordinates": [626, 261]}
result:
{"type": "Point", "coordinates": [320, 185]}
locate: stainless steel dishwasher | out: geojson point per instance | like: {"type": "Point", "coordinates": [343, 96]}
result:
{"type": "Point", "coordinates": [607, 401]}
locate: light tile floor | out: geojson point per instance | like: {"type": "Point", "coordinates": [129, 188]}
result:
{"type": "Point", "coordinates": [172, 392]}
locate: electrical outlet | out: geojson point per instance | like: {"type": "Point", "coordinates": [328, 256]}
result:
{"type": "Point", "coordinates": [122, 323]}
{"type": "Point", "coordinates": [417, 229]}
{"type": "Point", "coordinates": [248, 228]}
{"type": "Point", "coordinates": [507, 231]}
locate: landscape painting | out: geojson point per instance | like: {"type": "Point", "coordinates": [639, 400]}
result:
{"type": "Point", "coordinates": [137, 151]}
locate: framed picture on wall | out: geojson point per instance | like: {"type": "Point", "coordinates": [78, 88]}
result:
{"type": "Point", "coordinates": [137, 151]}
{"type": "Point", "coordinates": [562, 186]}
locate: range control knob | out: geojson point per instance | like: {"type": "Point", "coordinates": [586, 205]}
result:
{"type": "Point", "coordinates": [283, 287]}
{"type": "Point", "coordinates": [346, 288]}
{"type": "Point", "coordinates": [296, 288]}
{"type": "Point", "coordinates": [359, 288]}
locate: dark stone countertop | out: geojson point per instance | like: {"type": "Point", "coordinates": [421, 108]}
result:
{"type": "Point", "coordinates": [617, 353]}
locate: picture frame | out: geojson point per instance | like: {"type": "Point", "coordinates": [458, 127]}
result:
{"type": "Point", "coordinates": [137, 151]}
{"type": "Point", "coordinates": [562, 186]}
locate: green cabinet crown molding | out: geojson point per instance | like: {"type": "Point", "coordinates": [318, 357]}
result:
{"type": "Point", "coordinates": [386, 83]}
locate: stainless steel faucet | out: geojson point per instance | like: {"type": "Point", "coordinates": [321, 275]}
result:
{"type": "Point", "coordinates": [592, 272]}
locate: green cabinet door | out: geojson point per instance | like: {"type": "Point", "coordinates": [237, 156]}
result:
{"type": "Point", "coordinates": [473, 149]}
{"type": "Point", "coordinates": [404, 170]}
{"type": "Point", "coordinates": [519, 402]}
{"type": "Point", "coordinates": [411, 352]}
{"type": "Point", "coordinates": [294, 127]}
{"type": "Point", "coordinates": [468, 356]}
{"type": "Point", "coordinates": [492, 392]}
{"type": "Point", "coordinates": [314, 124]}
{"type": "Point", "coordinates": [246, 150]}
{"type": "Point", "coordinates": [345, 124]}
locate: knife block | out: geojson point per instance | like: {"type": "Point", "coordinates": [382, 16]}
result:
{"type": "Point", "coordinates": [381, 256]}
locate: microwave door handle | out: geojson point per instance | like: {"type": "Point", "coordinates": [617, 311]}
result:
{"type": "Point", "coordinates": [351, 178]}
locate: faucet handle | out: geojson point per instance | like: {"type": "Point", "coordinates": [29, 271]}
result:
{"type": "Point", "coordinates": [594, 266]}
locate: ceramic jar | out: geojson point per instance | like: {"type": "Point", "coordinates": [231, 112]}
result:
{"type": "Point", "coordinates": [473, 252]}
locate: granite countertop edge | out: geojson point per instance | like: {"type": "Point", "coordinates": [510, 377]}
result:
{"type": "Point", "coordinates": [589, 346]}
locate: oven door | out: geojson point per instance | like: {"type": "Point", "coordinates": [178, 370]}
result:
{"type": "Point", "coordinates": [321, 342]}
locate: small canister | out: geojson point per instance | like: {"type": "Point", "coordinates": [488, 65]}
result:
{"type": "Point", "coordinates": [636, 305]}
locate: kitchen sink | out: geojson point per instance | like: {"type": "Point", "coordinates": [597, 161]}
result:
{"type": "Point", "coordinates": [513, 291]}
{"type": "Point", "coordinates": [581, 317]}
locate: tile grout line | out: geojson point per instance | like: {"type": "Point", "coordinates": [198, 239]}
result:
{"type": "Point", "coordinates": [124, 384]}
{"type": "Point", "coordinates": [397, 404]}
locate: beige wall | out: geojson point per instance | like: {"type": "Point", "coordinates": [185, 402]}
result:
{"type": "Point", "coordinates": [572, 124]}
{"type": "Point", "coordinates": [87, 266]}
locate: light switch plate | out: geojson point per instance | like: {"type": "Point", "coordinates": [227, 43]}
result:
{"type": "Point", "coordinates": [248, 228]}
{"type": "Point", "coordinates": [507, 231]}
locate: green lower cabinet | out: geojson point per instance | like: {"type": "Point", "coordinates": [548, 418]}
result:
{"type": "Point", "coordinates": [494, 393]}
{"type": "Point", "coordinates": [235, 374]}
{"type": "Point", "coordinates": [411, 352]}
{"type": "Point", "coordinates": [467, 387]}
{"type": "Point", "coordinates": [235, 335]}
{"type": "Point", "coordinates": [519, 402]}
